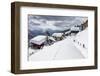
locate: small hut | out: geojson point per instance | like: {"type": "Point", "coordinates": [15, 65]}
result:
{"type": "Point", "coordinates": [75, 30]}
{"type": "Point", "coordinates": [50, 40]}
{"type": "Point", "coordinates": [58, 36]}
{"type": "Point", "coordinates": [38, 42]}
{"type": "Point", "coordinates": [67, 33]}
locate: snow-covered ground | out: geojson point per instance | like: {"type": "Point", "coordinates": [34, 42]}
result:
{"type": "Point", "coordinates": [80, 40]}
{"type": "Point", "coordinates": [60, 50]}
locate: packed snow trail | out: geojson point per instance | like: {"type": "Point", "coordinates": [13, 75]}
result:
{"type": "Point", "coordinates": [60, 50]}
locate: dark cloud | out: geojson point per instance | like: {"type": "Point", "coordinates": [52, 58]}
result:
{"type": "Point", "coordinates": [52, 18]}
{"type": "Point", "coordinates": [62, 21]}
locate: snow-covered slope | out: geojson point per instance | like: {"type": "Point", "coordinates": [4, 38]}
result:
{"type": "Point", "coordinates": [83, 37]}
{"type": "Point", "coordinates": [81, 42]}
{"type": "Point", "coordinates": [60, 50]}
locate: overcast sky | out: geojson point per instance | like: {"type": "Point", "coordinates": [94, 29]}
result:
{"type": "Point", "coordinates": [45, 21]}
{"type": "Point", "coordinates": [53, 18]}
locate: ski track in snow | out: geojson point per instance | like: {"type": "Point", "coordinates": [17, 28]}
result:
{"type": "Point", "coordinates": [60, 50]}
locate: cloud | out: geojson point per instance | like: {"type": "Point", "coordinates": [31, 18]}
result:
{"type": "Point", "coordinates": [54, 22]}
{"type": "Point", "coordinates": [52, 18]}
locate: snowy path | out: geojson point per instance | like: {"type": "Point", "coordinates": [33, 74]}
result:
{"type": "Point", "coordinates": [61, 50]}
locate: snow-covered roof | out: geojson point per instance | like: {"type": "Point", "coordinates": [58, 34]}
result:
{"type": "Point", "coordinates": [51, 38]}
{"type": "Point", "coordinates": [38, 39]}
{"type": "Point", "coordinates": [57, 34]}
{"type": "Point", "coordinates": [75, 28]}
{"type": "Point", "coordinates": [67, 32]}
